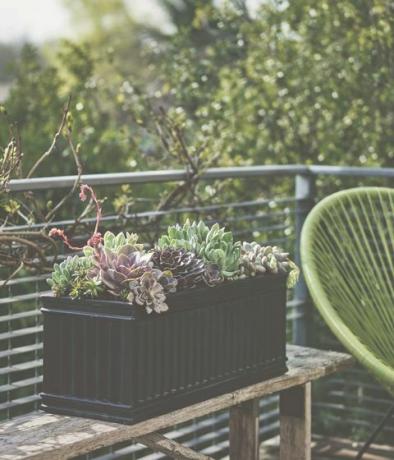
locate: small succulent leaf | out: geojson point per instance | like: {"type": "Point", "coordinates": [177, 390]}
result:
{"type": "Point", "coordinates": [109, 238]}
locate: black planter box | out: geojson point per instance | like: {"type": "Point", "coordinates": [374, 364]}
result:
{"type": "Point", "coordinates": [113, 361]}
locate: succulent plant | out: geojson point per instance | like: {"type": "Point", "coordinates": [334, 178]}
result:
{"type": "Point", "coordinates": [70, 277]}
{"type": "Point", "coordinates": [61, 278]}
{"type": "Point", "coordinates": [213, 244]}
{"type": "Point", "coordinates": [86, 286]}
{"type": "Point", "coordinates": [148, 291]}
{"type": "Point", "coordinates": [116, 242]}
{"type": "Point", "coordinates": [130, 275]}
{"type": "Point", "coordinates": [117, 268]}
{"type": "Point", "coordinates": [185, 266]}
{"type": "Point", "coordinates": [266, 259]}
{"type": "Point", "coordinates": [185, 257]}
{"type": "Point", "coordinates": [212, 275]}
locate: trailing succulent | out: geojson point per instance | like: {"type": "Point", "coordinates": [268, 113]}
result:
{"type": "Point", "coordinates": [185, 257]}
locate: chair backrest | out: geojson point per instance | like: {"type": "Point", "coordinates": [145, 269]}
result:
{"type": "Point", "coordinates": [347, 251]}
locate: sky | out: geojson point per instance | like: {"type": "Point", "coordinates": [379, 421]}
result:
{"type": "Point", "coordinates": [35, 20]}
{"type": "Point", "coordinates": [41, 20]}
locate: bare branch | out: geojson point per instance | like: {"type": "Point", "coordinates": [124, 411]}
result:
{"type": "Point", "coordinates": [75, 152]}
{"type": "Point", "coordinates": [52, 147]}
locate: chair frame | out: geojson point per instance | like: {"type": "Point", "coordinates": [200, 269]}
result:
{"type": "Point", "coordinates": [383, 372]}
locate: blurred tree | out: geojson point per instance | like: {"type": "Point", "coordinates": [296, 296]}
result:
{"type": "Point", "coordinates": [301, 82]}
{"type": "Point", "coordinates": [32, 103]}
{"type": "Point", "coordinates": [296, 82]}
{"type": "Point", "coordinates": [115, 39]}
{"type": "Point", "coordinates": [96, 69]}
{"type": "Point", "coordinates": [186, 14]}
{"type": "Point", "coordinates": [8, 55]}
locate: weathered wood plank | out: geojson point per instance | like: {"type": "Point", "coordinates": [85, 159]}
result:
{"type": "Point", "coordinates": [160, 443]}
{"type": "Point", "coordinates": [295, 423]}
{"type": "Point", "coordinates": [244, 431]}
{"type": "Point", "coordinates": [53, 437]}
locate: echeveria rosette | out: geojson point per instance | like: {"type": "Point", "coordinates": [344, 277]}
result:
{"type": "Point", "coordinates": [257, 259]}
{"type": "Point", "coordinates": [213, 244]}
{"type": "Point", "coordinates": [130, 275]}
{"type": "Point", "coordinates": [224, 255]}
{"type": "Point", "coordinates": [149, 291]}
{"type": "Point", "coordinates": [185, 266]}
{"type": "Point", "coordinates": [117, 269]}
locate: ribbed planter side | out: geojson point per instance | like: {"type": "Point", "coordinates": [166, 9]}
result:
{"type": "Point", "coordinates": [110, 360]}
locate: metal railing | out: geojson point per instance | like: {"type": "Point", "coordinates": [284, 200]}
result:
{"type": "Point", "coordinates": [277, 219]}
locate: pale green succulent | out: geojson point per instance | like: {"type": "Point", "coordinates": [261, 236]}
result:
{"type": "Point", "coordinates": [85, 286]}
{"type": "Point", "coordinates": [257, 259]}
{"type": "Point", "coordinates": [213, 244]}
{"type": "Point", "coordinates": [62, 275]}
{"type": "Point", "coordinates": [71, 277]}
{"type": "Point", "coordinates": [116, 242]}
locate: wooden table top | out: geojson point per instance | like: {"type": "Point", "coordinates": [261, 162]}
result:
{"type": "Point", "coordinates": [45, 436]}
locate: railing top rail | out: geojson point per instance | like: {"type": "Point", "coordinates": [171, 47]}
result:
{"type": "Point", "coordinates": [175, 175]}
{"type": "Point", "coordinates": [355, 171]}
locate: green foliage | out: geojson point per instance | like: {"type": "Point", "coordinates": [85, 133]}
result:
{"type": "Point", "coordinates": [304, 82]}
{"type": "Point", "coordinates": [295, 83]}
{"type": "Point", "coordinates": [101, 120]}
{"type": "Point", "coordinates": [115, 243]}
{"type": "Point", "coordinates": [257, 259]}
{"type": "Point", "coordinates": [213, 244]}
{"type": "Point", "coordinates": [32, 103]}
{"type": "Point", "coordinates": [71, 277]}
{"type": "Point", "coordinates": [186, 257]}
{"type": "Point", "coordinates": [8, 55]}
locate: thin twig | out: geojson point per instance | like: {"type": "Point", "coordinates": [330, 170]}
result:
{"type": "Point", "coordinates": [52, 147]}
{"type": "Point", "coordinates": [13, 274]}
{"type": "Point", "coordinates": [76, 183]}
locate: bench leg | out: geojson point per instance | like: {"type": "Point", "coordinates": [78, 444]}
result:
{"type": "Point", "coordinates": [244, 431]}
{"type": "Point", "coordinates": [295, 423]}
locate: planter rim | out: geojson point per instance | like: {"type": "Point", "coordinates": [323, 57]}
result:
{"type": "Point", "coordinates": [185, 299]}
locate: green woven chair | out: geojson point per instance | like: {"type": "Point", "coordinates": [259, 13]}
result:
{"type": "Point", "coordinates": [347, 253]}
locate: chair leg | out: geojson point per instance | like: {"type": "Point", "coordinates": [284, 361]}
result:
{"type": "Point", "coordinates": [378, 429]}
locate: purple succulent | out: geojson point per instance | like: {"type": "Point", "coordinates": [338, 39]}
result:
{"type": "Point", "coordinates": [213, 275]}
{"type": "Point", "coordinates": [185, 266]}
{"type": "Point", "coordinates": [129, 274]}
{"type": "Point", "coordinates": [117, 269]}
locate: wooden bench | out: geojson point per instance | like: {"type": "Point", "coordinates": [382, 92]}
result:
{"type": "Point", "coordinates": [45, 436]}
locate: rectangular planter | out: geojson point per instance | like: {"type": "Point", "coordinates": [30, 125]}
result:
{"type": "Point", "coordinates": [113, 361]}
